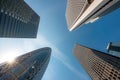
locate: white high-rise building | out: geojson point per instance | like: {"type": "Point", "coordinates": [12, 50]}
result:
{"type": "Point", "coordinates": [79, 12]}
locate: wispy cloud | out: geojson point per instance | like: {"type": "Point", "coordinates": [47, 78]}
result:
{"type": "Point", "coordinates": [26, 45]}
{"type": "Point", "coordinates": [56, 53]}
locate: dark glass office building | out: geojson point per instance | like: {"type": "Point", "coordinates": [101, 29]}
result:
{"type": "Point", "coordinates": [26, 66]}
{"type": "Point", "coordinates": [99, 65]}
{"type": "Point", "coordinates": [17, 19]}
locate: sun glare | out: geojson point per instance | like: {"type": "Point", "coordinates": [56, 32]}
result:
{"type": "Point", "coordinates": [11, 58]}
{"type": "Point", "coordinates": [8, 57]}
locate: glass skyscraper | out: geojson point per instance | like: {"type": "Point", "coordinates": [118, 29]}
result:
{"type": "Point", "coordinates": [99, 65]}
{"type": "Point", "coordinates": [26, 66]}
{"type": "Point", "coordinates": [17, 19]}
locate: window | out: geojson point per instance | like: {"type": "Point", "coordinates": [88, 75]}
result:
{"type": "Point", "coordinates": [115, 48]}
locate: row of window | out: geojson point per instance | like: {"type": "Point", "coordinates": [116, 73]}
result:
{"type": "Point", "coordinates": [25, 20]}
{"type": "Point", "coordinates": [10, 26]}
{"type": "Point", "coordinates": [103, 69]}
{"type": "Point", "coordinates": [18, 7]}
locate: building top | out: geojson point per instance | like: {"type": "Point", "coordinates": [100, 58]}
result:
{"type": "Point", "coordinates": [114, 46]}
{"type": "Point", "coordinates": [18, 19]}
{"type": "Point", "coordinates": [74, 9]}
{"type": "Point", "coordinates": [85, 48]}
{"type": "Point", "coordinates": [114, 49]}
{"type": "Point", "coordinates": [26, 66]}
{"type": "Point", "coordinates": [99, 65]}
{"type": "Point", "coordinates": [20, 9]}
{"type": "Point", "coordinates": [80, 12]}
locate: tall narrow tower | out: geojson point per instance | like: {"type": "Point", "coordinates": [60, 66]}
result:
{"type": "Point", "coordinates": [17, 19]}
{"type": "Point", "coordinates": [99, 65]}
{"type": "Point", "coordinates": [25, 67]}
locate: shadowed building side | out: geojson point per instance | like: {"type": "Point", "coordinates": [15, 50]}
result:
{"type": "Point", "coordinates": [80, 12]}
{"type": "Point", "coordinates": [17, 20]}
{"type": "Point", "coordinates": [25, 67]}
{"type": "Point", "coordinates": [99, 65]}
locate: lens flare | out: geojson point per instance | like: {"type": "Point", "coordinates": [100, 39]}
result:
{"type": "Point", "coordinates": [8, 57]}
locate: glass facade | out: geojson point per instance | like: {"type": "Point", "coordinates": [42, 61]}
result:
{"type": "Point", "coordinates": [26, 66]}
{"type": "Point", "coordinates": [17, 19]}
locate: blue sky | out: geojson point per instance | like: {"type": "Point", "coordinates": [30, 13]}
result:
{"type": "Point", "coordinates": [53, 33]}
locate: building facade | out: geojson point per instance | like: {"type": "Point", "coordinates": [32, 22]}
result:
{"type": "Point", "coordinates": [99, 65]}
{"type": "Point", "coordinates": [17, 19]}
{"type": "Point", "coordinates": [26, 66]}
{"type": "Point", "coordinates": [80, 12]}
{"type": "Point", "coordinates": [114, 49]}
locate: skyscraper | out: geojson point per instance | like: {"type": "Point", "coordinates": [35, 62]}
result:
{"type": "Point", "coordinates": [80, 12]}
{"type": "Point", "coordinates": [17, 19]}
{"type": "Point", "coordinates": [114, 49]}
{"type": "Point", "coordinates": [26, 66]}
{"type": "Point", "coordinates": [99, 65]}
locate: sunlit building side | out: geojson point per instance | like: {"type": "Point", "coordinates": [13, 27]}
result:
{"type": "Point", "coordinates": [17, 19]}
{"type": "Point", "coordinates": [80, 12]}
{"type": "Point", "coordinates": [99, 65]}
{"type": "Point", "coordinates": [26, 66]}
{"type": "Point", "coordinates": [114, 49]}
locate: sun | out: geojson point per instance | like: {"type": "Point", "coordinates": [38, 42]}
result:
{"type": "Point", "coordinates": [8, 57]}
{"type": "Point", "coordinates": [11, 58]}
